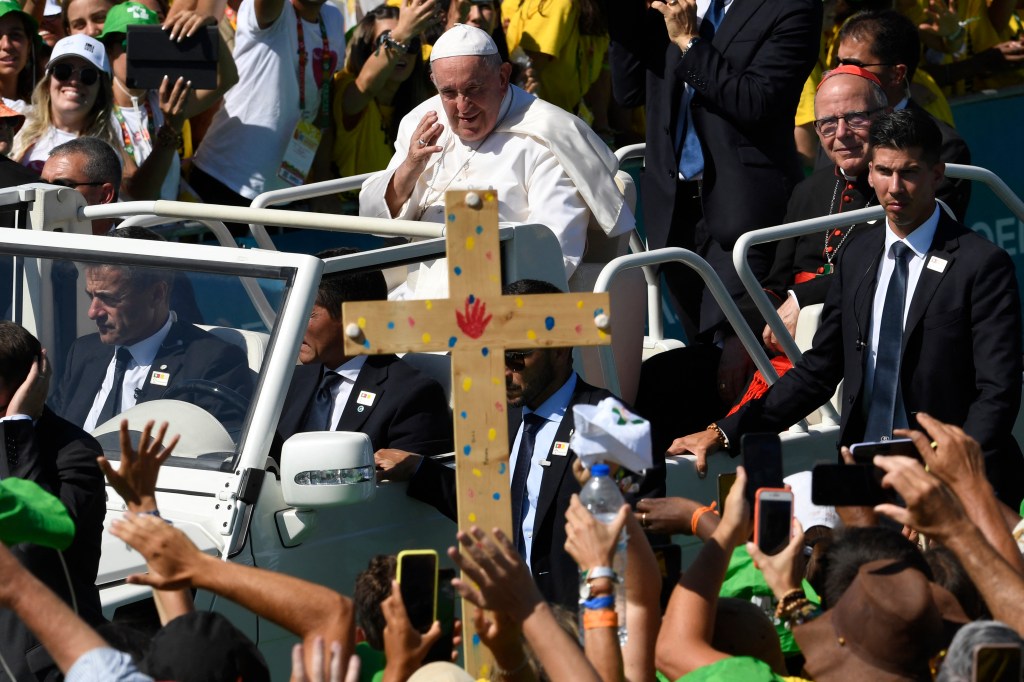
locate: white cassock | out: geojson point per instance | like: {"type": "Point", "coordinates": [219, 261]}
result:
{"type": "Point", "coordinates": [547, 166]}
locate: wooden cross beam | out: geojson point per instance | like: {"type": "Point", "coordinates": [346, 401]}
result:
{"type": "Point", "coordinates": [476, 324]}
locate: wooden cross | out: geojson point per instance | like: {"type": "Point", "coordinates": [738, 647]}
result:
{"type": "Point", "coordinates": [476, 324]}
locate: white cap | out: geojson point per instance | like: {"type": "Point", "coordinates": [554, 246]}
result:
{"type": "Point", "coordinates": [463, 41]}
{"type": "Point", "coordinates": [806, 512]}
{"type": "Point", "coordinates": [52, 9]}
{"type": "Point", "coordinates": [81, 45]}
{"type": "Point", "coordinates": [608, 432]}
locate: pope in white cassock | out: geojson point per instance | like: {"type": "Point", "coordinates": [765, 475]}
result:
{"type": "Point", "coordinates": [480, 132]}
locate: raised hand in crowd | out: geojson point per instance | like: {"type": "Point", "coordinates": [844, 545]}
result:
{"type": "Point", "coordinates": [495, 578]}
{"type": "Point", "coordinates": [503, 636]}
{"type": "Point", "coordinates": [404, 646]}
{"type": "Point", "coordinates": [303, 608]}
{"type": "Point", "coordinates": [334, 667]}
{"type": "Point", "coordinates": [934, 510]}
{"type": "Point", "coordinates": [784, 572]}
{"type": "Point", "coordinates": [674, 516]}
{"type": "Point", "coordinates": [184, 23]}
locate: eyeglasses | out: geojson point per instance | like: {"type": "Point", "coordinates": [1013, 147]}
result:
{"type": "Point", "coordinates": [857, 62]}
{"type": "Point", "coordinates": [856, 120]}
{"type": "Point", "coordinates": [516, 359]}
{"type": "Point", "coordinates": [72, 184]}
{"type": "Point", "coordinates": [87, 75]}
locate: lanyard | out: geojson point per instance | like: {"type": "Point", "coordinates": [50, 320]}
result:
{"type": "Point", "coordinates": [126, 134]}
{"type": "Point", "coordinates": [325, 70]}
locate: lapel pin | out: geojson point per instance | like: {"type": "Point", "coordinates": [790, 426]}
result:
{"type": "Point", "coordinates": [937, 264]}
{"type": "Point", "coordinates": [159, 378]}
{"type": "Point", "coordinates": [360, 408]}
{"type": "Point", "coordinates": [365, 398]}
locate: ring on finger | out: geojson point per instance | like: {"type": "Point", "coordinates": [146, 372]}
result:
{"type": "Point", "coordinates": [643, 520]}
{"type": "Point", "coordinates": [421, 142]}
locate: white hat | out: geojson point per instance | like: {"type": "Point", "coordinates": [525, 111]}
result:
{"type": "Point", "coordinates": [52, 9]}
{"type": "Point", "coordinates": [806, 512]}
{"type": "Point", "coordinates": [463, 41]}
{"type": "Point", "coordinates": [608, 432]}
{"type": "Point", "coordinates": [81, 45]}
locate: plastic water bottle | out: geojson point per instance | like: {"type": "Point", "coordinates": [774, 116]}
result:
{"type": "Point", "coordinates": [602, 498]}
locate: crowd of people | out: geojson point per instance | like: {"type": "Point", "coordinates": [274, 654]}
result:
{"type": "Point", "coordinates": [755, 114]}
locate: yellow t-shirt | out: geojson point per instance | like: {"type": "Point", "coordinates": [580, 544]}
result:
{"type": "Point", "coordinates": [551, 27]}
{"type": "Point", "coordinates": [365, 147]}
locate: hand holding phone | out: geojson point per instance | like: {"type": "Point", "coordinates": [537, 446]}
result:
{"type": "Point", "coordinates": [773, 519]}
{"type": "Point", "coordinates": [416, 574]}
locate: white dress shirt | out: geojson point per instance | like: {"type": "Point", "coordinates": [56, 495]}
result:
{"type": "Point", "coordinates": [553, 411]}
{"type": "Point", "coordinates": [919, 241]}
{"type": "Point", "coordinates": [342, 390]}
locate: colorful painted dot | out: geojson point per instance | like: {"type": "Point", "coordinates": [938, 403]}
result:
{"type": "Point", "coordinates": [366, 343]}
{"type": "Point", "coordinates": [412, 321]}
{"type": "Point", "coordinates": [478, 473]}
{"type": "Point", "coordinates": [457, 271]}
{"type": "Point", "coordinates": [429, 304]}
{"type": "Point", "coordinates": [549, 323]}
{"type": "Point", "coordinates": [472, 517]}
{"type": "Point", "coordinates": [470, 243]}
{"type": "Point", "coordinates": [489, 256]}
{"type": "Point", "coordinates": [391, 324]}
{"type": "Point", "coordinates": [496, 381]}
{"type": "Point", "coordinates": [479, 229]}
{"type": "Point", "coordinates": [362, 322]}
{"type": "Point", "coordinates": [451, 217]}
{"type": "Point", "coordinates": [496, 496]}
{"type": "Point", "coordinates": [426, 337]}
{"type": "Point", "coordinates": [463, 414]}
{"type": "Point", "coordinates": [530, 334]}
{"type": "Point", "coordinates": [492, 434]}
{"type": "Point", "coordinates": [579, 304]}
{"type": "Point", "coordinates": [470, 493]}
{"type": "Point", "coordinates": [501, 468]}
{"type": "Point", "coordinates": [519, 302]}
{"type": "Point", "coordinates": [466, 449]}
{"type": "Point", "coordinates": [471, 299]}
{"type": "Point", "coordinates": [485, 352]}
{"type": "Point", "coordinates": [499, 407]}
{"type": "Point", "coordinates": [476, 637]}
{"type": "Point", "coordinates": [579, 328]}
{"type": "Point", "coordinates": [451, 341]}
{"type": "Point", "coordinates": [467, 383]}
{"type": "Point", "coordinates": [598, 311]}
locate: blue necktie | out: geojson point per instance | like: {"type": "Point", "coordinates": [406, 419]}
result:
{"type": "Point", "coordinates": [886, 410]}
{"type": "Point", "coordinates": [319, 417]}
{"type": "Point", "coordinates": [691, 158]}
{"type": "Point", "coordinates": [520, 503]}
{"type": "Point", "coordinates": [112, 405]}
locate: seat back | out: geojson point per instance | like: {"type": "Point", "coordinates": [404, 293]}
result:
{"type": "Point", "coordinates": [253, 343]}
{"type": "Point", "coordinates": [806, 326]}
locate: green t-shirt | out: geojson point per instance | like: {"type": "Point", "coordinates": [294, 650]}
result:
{"type": "Point", "coordinates": [732, 669]}
{"type": "Point", "coordinates": [371, 663]}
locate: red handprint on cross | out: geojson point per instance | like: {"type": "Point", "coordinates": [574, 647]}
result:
{"type": "Point", "coordinates": [473, 322]}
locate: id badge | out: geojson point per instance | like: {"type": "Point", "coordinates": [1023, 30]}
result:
{"type": "Point", "coordinates": [298, 157]}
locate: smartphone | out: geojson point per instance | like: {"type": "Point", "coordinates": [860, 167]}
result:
{"type": "Point", "coordinates": [997, 663]}
{"type": "Point", "coordinates": [417, 578]}
{"type": "Point", "coordinates": [762, 458]}
{"type": "Point", "coordinates": [864, 453]}
{"type": "Point", "coordinates": [442, 648]}
{"type": "Point", "coordinates": [152, 55]}
{"type": "Point", "coordinates": [848, 485]}
{"type": "Point", "coordinates": [725, 482]}
{"type": "Point", "coordinates": [773, 519]}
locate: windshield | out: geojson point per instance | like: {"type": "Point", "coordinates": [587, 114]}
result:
{"type": "Point", "coordinates": [169, 344]}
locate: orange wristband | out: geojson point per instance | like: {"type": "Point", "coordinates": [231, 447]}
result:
{"type": "Point", "coordinates": [699, 513]}
{"type": "Point", "coordinates": [600, 618]}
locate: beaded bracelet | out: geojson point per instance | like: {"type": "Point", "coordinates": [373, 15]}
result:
{"type": "Point", "coordinates": [794, 595]}
{"type": "Point", "coordinates": [804, 613]}
{"type": "Point", "coordinates": [601, 618]}
{"type": "Point", "coordinates": [501, 672]}
{"type": "Point", "coordinates": [701, 511]}
{"type": "Point", "coordinates": [605, 602]}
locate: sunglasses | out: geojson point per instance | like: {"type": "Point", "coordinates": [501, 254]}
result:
{"type": "Point", "coordinates": [87, 75]}
{"type": "Point", "coordinates": [71, 184]}
{"type": "Point", "coordinates": [516, 359]}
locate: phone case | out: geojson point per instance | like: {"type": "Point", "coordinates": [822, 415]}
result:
{"type": "Point", "coordinates": [415, 552]}
{"type": "Point", "coordinates": [786, 494]}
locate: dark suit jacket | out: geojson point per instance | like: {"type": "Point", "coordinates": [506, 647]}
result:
{"type": "Point", "coordinates": [554, 570]}
{"type": "Point", "coordinates": [961, 350]}
{"type": "Point", "coordinates": [748, 81]}
{"type": "Point", "coordinates": [189, 354]}
{"type": "Point", "coordinates": [410, 411]}
{"type": "Point", "coordinates": [61, 458]}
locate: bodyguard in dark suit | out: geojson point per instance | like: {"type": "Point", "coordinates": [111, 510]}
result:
{"type": "Point", "coordinates": [951, 347]}
{"type": "Point", "coordinates": [887, 43]}
{"type": "Point", "coordinates": [541, 382]}
{"type": "Point", "coordinates": [40, 446]}
{"type": "Point", "coordinates": [394, 404]}
{"type": "Point", "coordinates": [141, 353]}
{"type": "Point", "coordinates": [745, 82]}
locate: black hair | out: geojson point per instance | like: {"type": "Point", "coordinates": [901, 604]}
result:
{"type": "Point", "coordinates": [373, 586]}
{"type": "Point", "coordinates": [908, 129]}
{"type": "Point", "coordinates": [851, 548]}
{"type": "Point", "coordinates": [952, 575]}
{"type": "Point", "coordinates": [18, 350]}
{"type": "Point", "coordinates": [102, 163]}
{"type": "Point", "coordinates": [527, 287]}
{"type": "Point", "coordinates": [338, 287]}
{"type": "Point", "coordinates": [893, 37]}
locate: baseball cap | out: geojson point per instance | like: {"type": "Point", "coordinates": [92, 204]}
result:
{"type": "Point", "coordinates": [120, 17]}
{"type": "Point", "coordinates": [81, 45]}
{"type": "Point", "coordinates": [6, 7]}
{"type": "Point", "coordinates": [52, 8]}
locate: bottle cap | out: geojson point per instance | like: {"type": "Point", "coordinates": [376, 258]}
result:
{"type": "Point", "coordinates": [600, 470]}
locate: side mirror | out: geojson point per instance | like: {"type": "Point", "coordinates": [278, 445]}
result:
{"type": "Point", "coordinates": [327, 469]}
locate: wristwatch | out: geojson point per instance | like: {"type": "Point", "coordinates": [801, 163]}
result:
{"type": "Point", "coordinates": [594, 574]}
{"type": "Point", "coordinates": [691, 43]}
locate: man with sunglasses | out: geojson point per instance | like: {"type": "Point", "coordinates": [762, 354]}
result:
{"type": "Point", "coordinates": [90, 166]}
{"type": "Point", "coordinates": [887, 44]}
{"type": "Point", "coordinates": [544, 385]}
